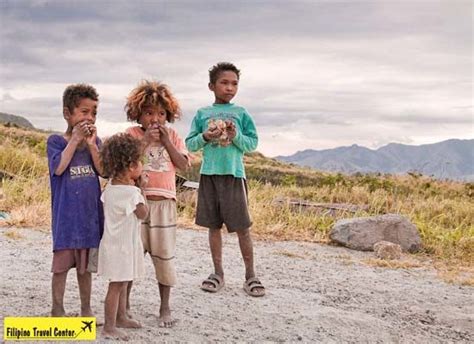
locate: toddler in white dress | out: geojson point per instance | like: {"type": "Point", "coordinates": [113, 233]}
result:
{"type": "Point", "coordinates": [121, 257]}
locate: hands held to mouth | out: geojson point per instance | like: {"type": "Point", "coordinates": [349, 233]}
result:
{"type": "Point", "coordinates": [157, 133]}
{"type": "Point", "coordinates": [85, 131]}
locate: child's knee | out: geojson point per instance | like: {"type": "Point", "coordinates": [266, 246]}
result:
{"type": "Point", "coordinates": [243, 233]}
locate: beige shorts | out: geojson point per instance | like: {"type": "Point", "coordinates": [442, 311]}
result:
{"type": "Point", "coordinates": [159, 239]}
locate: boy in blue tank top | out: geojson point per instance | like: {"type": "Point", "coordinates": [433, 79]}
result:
{"type": "Point", "coordinates": [77, 215]}
{"type": "Point", "coordinates": [224, 131]}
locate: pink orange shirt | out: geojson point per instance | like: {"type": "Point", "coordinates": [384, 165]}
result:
{"type": "Point", "coordinates": [158, 165]}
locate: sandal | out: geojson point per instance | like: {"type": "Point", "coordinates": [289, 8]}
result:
{"type": "Point", "coordinates": [254, 283]}
{"type": "Point", "coordinates": [215, 280]}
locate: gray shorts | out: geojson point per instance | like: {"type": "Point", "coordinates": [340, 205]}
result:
{"type": "Point", "coordinates": [223, 200]}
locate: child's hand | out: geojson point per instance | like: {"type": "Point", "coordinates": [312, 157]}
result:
{"type": "Point", "coordinates": [92, 135]}
{"type": "Point", "coordinates": [142, 181]}
{"type": "Point", "coordinates": [231, 130]}
{"type": "Point", "coordinates": [164, 135]}
{"type": "Point", "coordinates": [152, 133]}
{"type": "Point", "coordinates": [212, 134]}
{"type": "Point", "coordinates": [80, 131]}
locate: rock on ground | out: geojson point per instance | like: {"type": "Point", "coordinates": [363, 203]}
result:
{"type": "Point", "coordinates": [315, 293]}
{"type": "Point", "coordinates": [387, 250]}
{"type": "Point", "coordinates": [361, 233]}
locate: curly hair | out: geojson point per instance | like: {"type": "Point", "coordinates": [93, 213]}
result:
{"type": "Point", "coordinates": [216, 70]}
{"type": "Point", "coordinates": [74, 93]}
{"type": "Point", "coordinates": [152, 93]}
{"type": "Point", "coordinates": [119, 152]}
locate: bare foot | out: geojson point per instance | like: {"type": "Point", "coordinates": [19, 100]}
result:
{"type": "Point", "coordinates": [127, 323]}
{"type": "Point", "coordinates": [166, 320]}
{"type": "Point", "coordinates": [114, 333]}
{"type": "Point", "coordinates": [87, 312]}
{"type": "Point", "coordinates": [58, 312]}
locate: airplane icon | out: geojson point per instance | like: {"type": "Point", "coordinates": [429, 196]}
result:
{"type": "Point", "coordinates": [88, 325]}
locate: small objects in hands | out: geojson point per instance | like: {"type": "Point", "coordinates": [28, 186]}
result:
{"type": "Point", "coordinates": [89, 129]}
{"type": "Point", "coordinates": [223, 127]}
{"type": "Point", "coordinates": [84, 130]}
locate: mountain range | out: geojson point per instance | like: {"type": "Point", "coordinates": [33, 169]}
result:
{"type": "Point", "coordinates": [450, 159]}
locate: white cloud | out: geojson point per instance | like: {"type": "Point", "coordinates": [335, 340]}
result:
{"type": "Point", "coordinates": [342, 73]}
{"type": "Point", "coordinates": [106, 128]}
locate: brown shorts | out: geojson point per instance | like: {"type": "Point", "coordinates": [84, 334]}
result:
{"type": "Point", "coordinates": [223, 200]}
{"type": "Point", "coordinates": [83, 260]}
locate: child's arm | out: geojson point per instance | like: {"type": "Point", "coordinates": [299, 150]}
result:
{"type": "Point", "coordinates": [195, 140]}
{"type": "Point", "coordinates": [141, 210]}
{"type": "Point", "coordinates": [177, 158]}
{"type": "Point", "coordinates": [247, 139]}
{"type": "Point", "coordinates": [94, 149]}
{"type": "Point", "coordinates": [78, 134]}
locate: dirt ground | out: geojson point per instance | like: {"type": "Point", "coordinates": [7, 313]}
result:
{"type": "Point", "coordinates": [315, 293]}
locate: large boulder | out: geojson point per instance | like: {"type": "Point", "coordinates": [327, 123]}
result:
{"type": "Point", "coordinates": [362, 233]}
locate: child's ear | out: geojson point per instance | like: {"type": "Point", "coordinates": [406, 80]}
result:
{"type": "Point", "coordinates": [211, 86]}
{"type": "Point", "coordinates": [66, 113]}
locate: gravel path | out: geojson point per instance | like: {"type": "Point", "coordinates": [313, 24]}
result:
{"type": "Point", "coordinates": [315, 293]}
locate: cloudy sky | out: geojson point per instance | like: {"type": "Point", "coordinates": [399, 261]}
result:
{"type": "Point", "coordinates": [315, 74]}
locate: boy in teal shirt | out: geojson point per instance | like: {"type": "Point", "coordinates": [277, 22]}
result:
{"type": "Point", "coordinates": [225, 132]}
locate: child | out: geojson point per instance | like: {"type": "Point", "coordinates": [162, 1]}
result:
{"type": "Point", "coordinates": [225, 132]}
{"type": "Point", "coordinates": [121, 249]}
{"type": "Point", "coordinates": [152, 104]}
{"type": "Point", "coordinates": [77, 218]}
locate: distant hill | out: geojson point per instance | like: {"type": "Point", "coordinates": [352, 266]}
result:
{"type": "Point", "coordinates": [451, 159]}
{"type": "Point", "coordinates": [15, 120]}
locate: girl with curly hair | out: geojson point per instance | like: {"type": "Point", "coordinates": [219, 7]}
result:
{"type": "Point", "coordinates": [121, 249]}
{"type": "Point", "coordinates": [151, 104]}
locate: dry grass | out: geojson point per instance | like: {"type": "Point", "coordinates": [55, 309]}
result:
{"type": "Point", "coordinates": [392, 264]}
{"type": "Point", "coordinates": [33, 215]}
{"type": "Point", "coordinates": [445, 220]}
{"type": "Point", "coordinates": [25, 184]}
{"type": "Point", "coordinates": [290, 254]}
{"type": "Point", "coordinates": [13, 235]}
{"type": "Point", "coordinates": [455, 274]}
{"type": "Point", "coordinates": [443, 211]}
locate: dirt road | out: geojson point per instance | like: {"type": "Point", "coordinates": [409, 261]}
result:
{"type": "Point", "coordinates": [315, 293]}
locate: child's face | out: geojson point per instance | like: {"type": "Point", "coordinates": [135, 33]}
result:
{"type": "Point", "coordinates": [86, 110]}
{"type": "Point", "coordinates": [153, 114]}
{"type": "Point", "coordinates": [225, 88]}
{"type": "Point", "coordinates": [136, 170]}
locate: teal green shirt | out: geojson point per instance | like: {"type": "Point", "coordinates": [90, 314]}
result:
{"type": "Point", "coordinates": [217, 159]}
